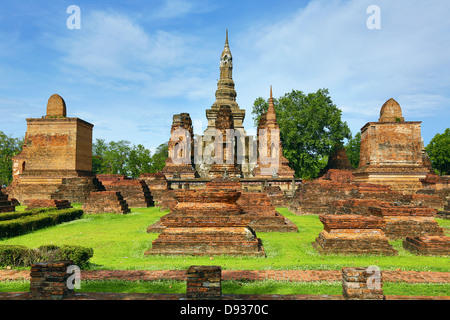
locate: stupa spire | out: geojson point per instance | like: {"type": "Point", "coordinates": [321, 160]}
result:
{"type": "Point", "coordinates": [271, 116]}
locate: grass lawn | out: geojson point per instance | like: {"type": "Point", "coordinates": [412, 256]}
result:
{"type": "Point", "coordinates": [119, 242]}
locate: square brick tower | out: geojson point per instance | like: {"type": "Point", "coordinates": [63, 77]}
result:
{"type": "Point", "coordinates": [56, 148]}
{"type": "Point", "coordinates": [392, 151]}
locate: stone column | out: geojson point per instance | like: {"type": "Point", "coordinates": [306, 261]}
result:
{"type": "Point", "coordinates": [362, 284]}
{"type": "Point", "coordinates": [204, 282]}
{"type": "Point", "coordinates": [49, 280]}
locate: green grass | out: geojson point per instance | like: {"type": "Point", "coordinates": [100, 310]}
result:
{"type": "Point", "coordinates": [119, 242]}
{"type": "Point", "coordinates": [242, 287]}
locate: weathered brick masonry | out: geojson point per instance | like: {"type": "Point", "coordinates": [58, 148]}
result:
{"type": "Point", "coordinates": [206, 222]}
{"type": "Point", "coordinates": [105, 201]}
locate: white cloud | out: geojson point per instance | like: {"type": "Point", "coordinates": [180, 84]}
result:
{"type": "Point", "coordinates": [327, 45]}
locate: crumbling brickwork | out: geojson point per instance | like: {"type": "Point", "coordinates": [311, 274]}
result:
{"type": "Point", "coordinates": [407, 221]}
{"type": "Point", "coordinates": [428, 245]}
{"type": "Point", "coordinates": [37, 203]}
{"type": "Point", "coordinates": [204, 282]}
{"type": "Point", "coordinates": [55, 148]}
{"type": "Point", "coordinates": [352, 234]}
{"type": "Point", "coordinates": [264, 217]}
{"type": "Point", "coordinates": [362, 284]}
{"type": "Point", "coordinates": [392, 151]}
{"type": "Point", "coordinates": [49, 280]}
{"type": "Point", "coordinates": [207, 222]}
{"type": "Point", "coordinates": [5, 204]}
{"type": "Point", "coordinates": [105, 201]}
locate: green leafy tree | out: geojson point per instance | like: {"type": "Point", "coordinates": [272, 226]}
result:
{"type": "Point", "coordinates": [139, 161]}
{"type": "Point", "coordinates": [310, 124]}
{"type": "Point", "coordinates": [439, 152]}
{"type": "Point", "coordinates": [9, 147]}
{"type": "Point", "coordinates": [352, 148]}
{"type": "Point", "coordinates": [160, 156]}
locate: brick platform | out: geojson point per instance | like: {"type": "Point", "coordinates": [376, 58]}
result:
{"type": "Point", "coordinates": [135, 192]}
{"type": "Point", "coordinates": [428, 245]}
{"type": "Point", "coordinates": [206, 222]}
{"type": "Point", "coordinates": [352, 234]}
{"type": "Point", "coordinates": [407, 221]}
{"type": "Point", "coordinates": [36, 203]}
{"type": "Point", "coordinates": [264, 218]}
{"type": "Point", "coordinates": [105, 201]}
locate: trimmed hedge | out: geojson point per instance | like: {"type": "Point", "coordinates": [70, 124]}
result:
{"type": "Point", "coordinates": [39, 219]}
{"type": "Point", "coordinates": [21, 256]}
{"type": "Point", "coordinates": [19, 214]}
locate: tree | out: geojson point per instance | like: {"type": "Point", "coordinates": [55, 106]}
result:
{"type": "Point", "coordinates": [310, 124]}
{"type": "Point", "coordinates": [9, 147]}
{"type": "Point", "coordinates": [122, 158]}
{"type": "Point", "coordinates": [139, 161]}
{"type": "Point", "coordinates": [439, 152]}
{"type": "Point", "coordinates": [352, 148]}
{"type": "Point", "coordinates": [160, 156]}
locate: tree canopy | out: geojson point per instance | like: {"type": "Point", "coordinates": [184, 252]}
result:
{"type": "Point", "coordinates": [310, 124]}
{"type": "Point", "coordinates": [9, 147]}
{"type": "Point", "coordinates": [352, 149]}
{"type": "Point", "coordinates": [439, 152]}
{"type": "Point", "coordinates": [119, 157]}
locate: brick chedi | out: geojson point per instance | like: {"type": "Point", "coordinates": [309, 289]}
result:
{"type": "Point", "coordinates": [57, 150]}
{"type": "Point", "coordinates": [392, 151]}
{"type": "Point", "coordinates": [271, 161]}
{"type": "Point", "coordinates": [224, 157]}
{"type": "Point", "coordinates": [105, 201]}
{"type": "Point", "coordinates": [180, 162]}
{"type": "Point", "coordinates": [225, 95]}
{"type": "Point", "coordinates": [352, 234]}
{"type": "Point", "coordinates": [407, 221]}
{"type": "Point", "coordinates": [207, 222]}
{"type": "Point", "coordinates": [337, 160]}
{"type": "Point", "coordinates": [428, 245]}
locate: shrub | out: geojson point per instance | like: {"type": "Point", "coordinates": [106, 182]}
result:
{"type": "Point", "coordinates": [78, 254]}
{"type": "Point", "coordinates": [40, 218]}
{"type": "Point", "coordinates": [15, 256]}
{"type": "Point", "coordinates": [21, 256]}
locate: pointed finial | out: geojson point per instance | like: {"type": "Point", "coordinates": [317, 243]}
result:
{"type": "Point", "coordinates": [226, 38]}
{"type": "Point", "coordinates": [270, 91]}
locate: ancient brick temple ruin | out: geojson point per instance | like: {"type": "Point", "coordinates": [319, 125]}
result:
{"type": "Point", "coordinates": [269, 135]}
{"type": "Point", "coordinates": [56, 160]}
{"type": "Point", "coordinates": [134, 191]}
{"type": "Point", "coordinates": [207, 222]}
{"type": "Point", "coordinates": [352, 234]}
{"type": "Point", "coordinates": [105, 201]}
{"type": "Point", "coordinates": [5, 204]}
{"type": "Point", "coordinates": [224, 148]}
{"type": "Point", "coordinates": [179, 164]}
{"type": "Point", "coordinates": [392, 151]}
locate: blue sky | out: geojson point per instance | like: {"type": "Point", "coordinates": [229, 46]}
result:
{"type": "Point", "coordinates": [133, 64]}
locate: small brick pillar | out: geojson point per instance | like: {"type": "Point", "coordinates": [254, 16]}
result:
{"type": "Point", "coordinates": [204, 282]}
{"type": "Point", "coordinates": [362, 284]}
{"type": "Point", "coordinates": [49, 280]}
